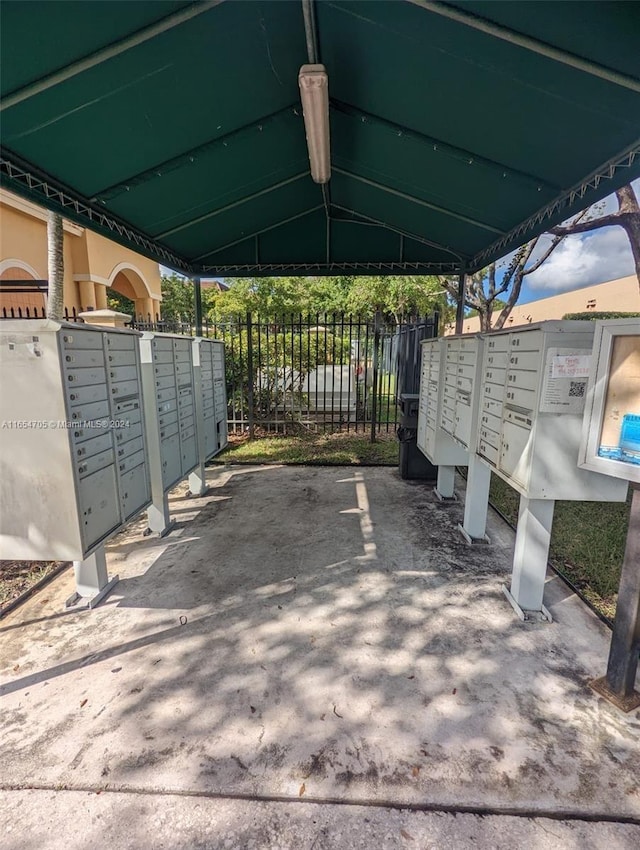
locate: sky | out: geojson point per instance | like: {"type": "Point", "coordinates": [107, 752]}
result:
{"type": "Point", "coordinates": [581, 260]}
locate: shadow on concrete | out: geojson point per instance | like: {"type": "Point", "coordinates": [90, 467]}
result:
{"type": "Point", "coordinates": [322, 633]}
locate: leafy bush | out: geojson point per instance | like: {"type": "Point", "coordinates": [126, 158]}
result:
{"type": "Point", "coordinates": [592, 315]}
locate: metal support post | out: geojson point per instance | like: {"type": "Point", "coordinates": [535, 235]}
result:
{"type": "Point", "coordinates": [445, 485]}
{"type": "Point", "coordinates": [618, 686]}
{"type": "Point", "coordinates": [197, 294]}
{"type": "Point", "coordinates": [530, 557]}
{"type": "Point", "coordinates": [250, 402]}
{"type": "Point", "coordinates": [374, 388]}
{"type": "Point", "coordinates": [461, 297]}
{"type": "Point", "coordinates": [92, 581]}
{"type": "Point", "coordinates": [474, 525]}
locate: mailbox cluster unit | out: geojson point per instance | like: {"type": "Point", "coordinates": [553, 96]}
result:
{"type": "Point", "coordinates": [463, 356]}
{"type": "Point", "coordinates": [209, 357]}
{"type": "Point", "coordinates": [448, 422]}
{"type": "Point", "coordinates": [73, 439]}
{"type": "Point", "coordinates": [448, 403]}
{"type": "Point", "coordinates": [97, 425]}
{"type": "Point", "coordinates": [534, 382]}
{"type": "Point", "coordinates": [184, 393]}
{"type": "Point", "coordinates": [169, 395]}
{"type": "Point", "coordinates": [437, 378]}
{"type": "Point", "coordinates": [528, 388]}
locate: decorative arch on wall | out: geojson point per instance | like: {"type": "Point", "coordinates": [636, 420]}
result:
{"type": "Point", "coordinates": [11, 263]}
{"type": "Point", "coordinates": [126, 273]}
{"type": "Point", "coordinates": [26, 299]}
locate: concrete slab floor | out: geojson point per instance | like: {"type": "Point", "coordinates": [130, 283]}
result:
{"type": "Point", "coordinates": [317, 636]}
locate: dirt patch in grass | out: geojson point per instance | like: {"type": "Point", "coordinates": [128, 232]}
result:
{"type": "Point", "coordinates": [16, 577]}
{"type": "Point", "coordinates": [338, 449]}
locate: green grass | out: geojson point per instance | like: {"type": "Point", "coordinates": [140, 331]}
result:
{"type": "Point", "coordinates": [587, 542]}
{"type": "Point", "coordinates": [331, 449]}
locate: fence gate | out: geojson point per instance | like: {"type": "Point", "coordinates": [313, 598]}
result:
{"type": "Point", "coordinates": [318, 373]}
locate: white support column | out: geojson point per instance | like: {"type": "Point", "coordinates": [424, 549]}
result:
{"type": "Point", "coordinates": [535, 519]}
{"type": "Point", "coordinates": [92, 581]}
{"type": "Point", "coordinates": [158, 515]}
{"type": "Point", "coordinates": [476, 502]}
{"type": "Point", "coordinates": [197, 478]}
{"type": "Point", "coordinates": [445, 485]}
{"type": "Point", "coordinates": [197, 481]}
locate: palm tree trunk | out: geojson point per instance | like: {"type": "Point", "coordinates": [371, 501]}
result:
{"type": "Point", "coordinates": [55, 297]}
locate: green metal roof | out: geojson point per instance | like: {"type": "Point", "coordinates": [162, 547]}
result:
{"type": "Point", "coordinates": [458, 130]}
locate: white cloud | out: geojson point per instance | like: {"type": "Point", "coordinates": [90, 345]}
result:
{"type": "Point", "coordinates": [583, 261]}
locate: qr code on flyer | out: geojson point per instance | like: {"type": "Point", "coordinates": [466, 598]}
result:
{"type": "Point", "coordinates": [577, 389]}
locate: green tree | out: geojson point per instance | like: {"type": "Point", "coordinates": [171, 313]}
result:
{"type": "Point", "coordinates": [116, 301]}
{"type": "Point", "coordinates": [268, 296]}
{"type": "Point", "coordinates": [178, 301]}
{"type": "Point", "coordinates": [396, 297]}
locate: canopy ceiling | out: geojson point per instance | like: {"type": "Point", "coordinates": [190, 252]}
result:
{"type": "Point", "coordinates": [458, 130]}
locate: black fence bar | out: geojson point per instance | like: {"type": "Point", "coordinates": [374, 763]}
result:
{"type": "Point", "coordinates": [250, 377]}
{"type": "Point", "coordinates": [374, 395]}
{"type": "Point", "coordinates": [37, 313]}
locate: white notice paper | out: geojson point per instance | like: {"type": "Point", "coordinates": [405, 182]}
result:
{"type": "Point", "coordinates": [565, 383]}
{"type": "Point", "coordinates": [570, 366]}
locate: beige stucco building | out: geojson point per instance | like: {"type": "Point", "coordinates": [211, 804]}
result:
{"type": "Point", "coordinates": [621, 295]}
{"type": "Point", "coordinates": [92, 264]}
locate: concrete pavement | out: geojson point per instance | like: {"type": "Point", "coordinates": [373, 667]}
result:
{"type": "Point", "coordinates": [311, 644]}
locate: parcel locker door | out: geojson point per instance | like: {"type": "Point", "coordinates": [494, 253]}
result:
{"type": "Point", "coordinates": [135, 493]}
{"type": "Point", "coordinates": [98, 504]}
{"type": "Point", "coordinates": [171, 461]}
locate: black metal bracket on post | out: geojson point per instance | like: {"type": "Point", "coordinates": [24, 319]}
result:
{"type": "Point", "coordinates": [462, 291]}
{"type": "Point", "coordinates": [197, 299]}
{"type": "Point", "coordinates": [618, 685]}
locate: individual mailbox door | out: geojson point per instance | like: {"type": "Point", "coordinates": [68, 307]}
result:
{"type": "Point", "coordinates": [100, 511]}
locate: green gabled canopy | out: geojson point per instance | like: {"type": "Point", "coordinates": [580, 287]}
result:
{"type": "Point", "coordinates": [458, 130]}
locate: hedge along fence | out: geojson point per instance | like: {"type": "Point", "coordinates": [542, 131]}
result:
{"type": "Point", "coordinates": [592, 315]}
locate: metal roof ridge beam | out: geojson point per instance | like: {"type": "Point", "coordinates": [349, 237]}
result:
{"type": "Point", "coordinates": [311, 32]}
{"type": "Point", "coordinates": [222, 141]}
{"type": "Point", "coordinates": [407, 234]}
{"type": "Point", "coordinates": [437, 144]}
{"type": "Point", "coordinates": [258, 232]}
{"type": "Point", "coordinates": [419, 201]}
{"type": "Point", "coordinates": [106, 53]}
{"type": "Point", "coordinates": [528, 43]}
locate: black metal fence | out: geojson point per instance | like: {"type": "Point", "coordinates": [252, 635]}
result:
{"type": "Point", "coordinates": [316, 373]}
{"type": "Point", "coordinates": [36, 313]}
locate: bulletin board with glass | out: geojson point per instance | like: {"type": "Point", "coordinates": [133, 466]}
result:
{"type": "Point", "coordinates": [611, 427]}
